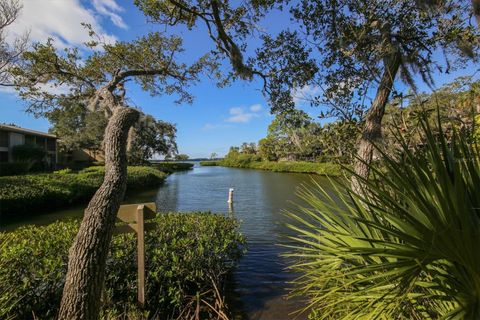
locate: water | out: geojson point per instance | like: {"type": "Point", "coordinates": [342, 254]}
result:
{"type": "Point", "coordinates": [260, 282]}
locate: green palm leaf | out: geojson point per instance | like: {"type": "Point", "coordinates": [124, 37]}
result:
{"type": "Point", "coordinates": [406, 248]}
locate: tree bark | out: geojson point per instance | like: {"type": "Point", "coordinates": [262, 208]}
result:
{"type": "Point", "coordinates": [476, 11]}
{"type": "Point", "coordinates": [372, 130]}
{"type": "Point", "coordinates": [87, 257]}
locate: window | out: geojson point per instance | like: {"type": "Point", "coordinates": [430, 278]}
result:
{"type": "Point", "coordinates": [29, 139]}
{"type": "Point", "coordinates": [3, 156]}
{"type": "Point", "coordinates": [41, 142]}
{"type": "Point", "coordinates": [3, 138]}
{"type": "Point", "coordinates": [51, 144]}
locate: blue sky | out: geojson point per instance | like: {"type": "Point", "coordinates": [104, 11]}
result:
{"type": "Point", "coordinates": [218, 118]}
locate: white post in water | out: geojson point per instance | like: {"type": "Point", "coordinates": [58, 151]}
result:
{"type": "Point", "coordinates": [230, 195]}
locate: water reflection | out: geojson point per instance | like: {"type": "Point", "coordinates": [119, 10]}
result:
{"type": "Point", "coordinates": [260, 281]}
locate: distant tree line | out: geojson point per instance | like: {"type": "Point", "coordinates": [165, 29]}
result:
{"type": "Point", "coordinates": [295, 136]}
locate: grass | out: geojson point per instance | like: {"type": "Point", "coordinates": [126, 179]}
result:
{"type": "Point", "coordinates": [35, 193]}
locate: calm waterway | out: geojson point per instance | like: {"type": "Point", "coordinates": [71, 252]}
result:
{"type": "Point", "coordinates": [260, 282]}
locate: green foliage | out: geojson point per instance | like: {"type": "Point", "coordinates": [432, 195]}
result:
{"type": "Point", "coordinates": [228, 23]}
{"type": "Point", "coordinates": [152, 137]}
{"type": "Point", "coordinates": [358, 39]}
{"type": "Point", "coordinates": [404, 248]}
{"type": "Point", "coordinates": [291, 136]}
{"type": "Point", "coordinates": [255, 162]}
{"type": "Point", "coordinates": [458, 100]}
{"type": "Point", "coordinates": [181, 157]}
{"type": "Point", "coordinates": [240, 160]}
{"type": "Point", "coordinates": [321, 168]}
{"type": "Point", "coordinates": [235, 158]}
{"type": "Point", "coordinates": [170, 167]}
{"type": "Point", "coordinates": [63, 171]}
{"type": "Point", "coordinates": [210, 163]}
{"type": "Point", "coordinates": [30, 194]}
{"type": "Point", "coordinates": [476, 133]}
{"type": "Point", "coordinates": [294, 136]}
{"type": "Point", "coordinates": [14, 168]}
{"type": "Point", "coordinates": [77, 127]}
{"type": "Point", "coordinates": [184, 254]}
{"type": "Point", "coordinates": [149, 60]}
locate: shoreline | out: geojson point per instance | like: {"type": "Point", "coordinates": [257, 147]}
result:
{"type": "Point", "coordinates": [319, 168]}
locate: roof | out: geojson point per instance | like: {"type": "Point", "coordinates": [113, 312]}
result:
{"type": "Point", "coordinates": [26, 131]}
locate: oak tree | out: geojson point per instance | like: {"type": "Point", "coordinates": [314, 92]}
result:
{"type": "Point", "coordinates": [97, 75]}
{"type": "Point", "coordinates": [9, 52]}
{"type": "Point", "coordinates": [362, 47]}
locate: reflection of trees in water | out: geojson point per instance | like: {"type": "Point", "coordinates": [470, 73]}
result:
{"type": "Point", "coordinates": [167, 195]}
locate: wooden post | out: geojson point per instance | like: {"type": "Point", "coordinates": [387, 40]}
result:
{"type": "Point", "coordinates": [230, 195]}
{"type": "Point", "coordinates": [137, 213]}
{"type": "Point", "coordinates": [141, 254]}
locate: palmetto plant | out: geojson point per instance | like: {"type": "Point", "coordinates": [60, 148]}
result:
{"type": "Point", "coordinates": [407, 248]}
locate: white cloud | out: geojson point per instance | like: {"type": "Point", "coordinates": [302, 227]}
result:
{"type": "Point", "coordinates": [244, 115]}
{"type": "Point", "coordinates": [305, 94]}
{"type": "Point", "coordinates": [46, 87]}
{"type": "Point", "coordinates": [110, 9]}
{"type": "Point", "coordinates": [61, 20]}
{"type": "Point", "coordinates": [256, 107]}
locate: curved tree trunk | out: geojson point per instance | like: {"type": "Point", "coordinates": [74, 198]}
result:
{"type": "Point", "coordinates": [476, 11]}
{"type": "Point", "coordinates": [372, 130]}
{"type": "Point", "coordinates": [87, 257]}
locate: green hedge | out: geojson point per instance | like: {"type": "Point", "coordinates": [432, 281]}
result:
{"type": "Point", "coordinates": [326, 168]}
{"type": "Point", "coordinates": [30, 194]}
{"type": "Point", "coordinates": [254, 162]}
{"type": "Point", "coordinates": [13, 168]}
{"type": "Point", "coordinates": [182, 255]}
{"type": "Point", "coordinates": [170, 167]}
{"type": "Point", "coordinates": [210, 163]}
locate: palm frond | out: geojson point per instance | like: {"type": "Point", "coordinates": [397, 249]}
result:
{"type": "Point", "coordinates": [405, 249]}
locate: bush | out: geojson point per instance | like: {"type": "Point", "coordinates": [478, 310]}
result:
{"type": "Point", "coordinates": [14, 168]}
{"type": "Point", "coordinates": [183, 254]}
{"type": "Point", "coordinates": [405, 246]}
{"type": "Point", "coordinates": [211, 163]}
{"type": "Point", "coordinates": [240, 160]}
{"type": "Point", "coordinates": [170, 167]}
{"type": "Point", "coordinates": [41, 192]}
{"type": "Point", "coordinates": [63, 171]}
{"type": "Point", "coordinates": [325, 168]}
{"type": "Point", "coordinates": [255, 162]}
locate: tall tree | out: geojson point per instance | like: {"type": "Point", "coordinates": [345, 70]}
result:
{"type": "Point", "coordinates": [364, 46]}
{"type": "Point", "coordinates": [351, 48]}
{"type": "Point", "coordinates": [181, 157]}
{"type": "Point", "coordinates": [9, 52]}
{"type": "Point", "coordinates": [99, 80]}
{"type": "Point", "coordinates": [152, 137]}
{"type": "Point", "coordinates": [229, 25]}
{"type": "Point", "coordinates": [77, 127]}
